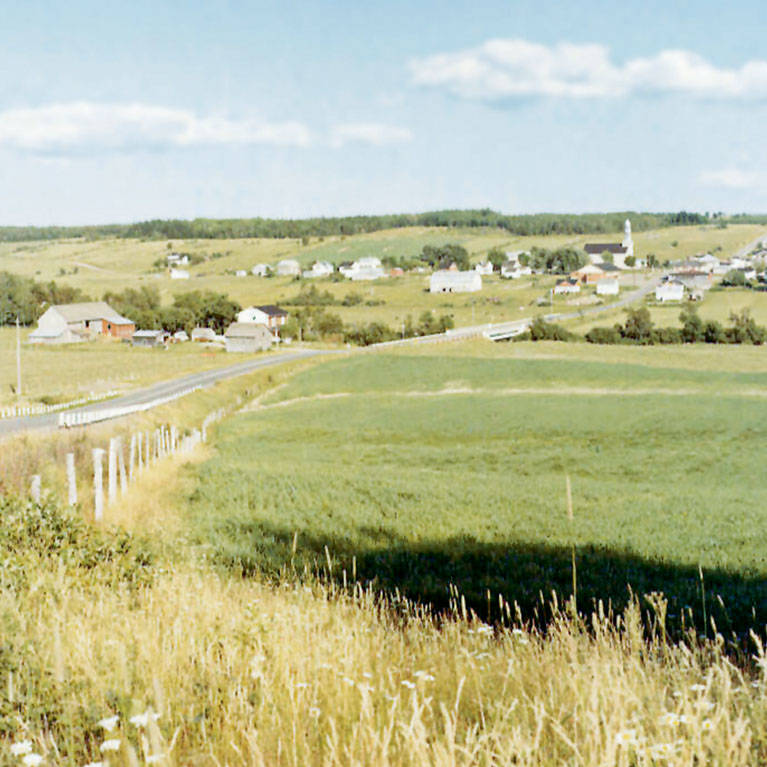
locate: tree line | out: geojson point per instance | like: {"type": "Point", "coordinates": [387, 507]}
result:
{"type": "Point", "coordinates": [237, 228]}
{"type": "Point", "coordinates": [27, 299]}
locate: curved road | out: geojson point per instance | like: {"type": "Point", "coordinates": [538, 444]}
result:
{"type": "Point", "coordinates": [163, 389]}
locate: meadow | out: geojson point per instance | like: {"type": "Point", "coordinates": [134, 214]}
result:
{"type": "Point", "coordinates": [422, 473]}
{"type": "Point", "coordinates": [266, 600]}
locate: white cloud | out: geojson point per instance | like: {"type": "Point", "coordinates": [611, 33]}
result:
{"type": "Point", "coordinates": [82, 126]}
{"type": "Point", "coordinates": [733, 178]}
{"type": "Point", "coordinates": [512, 69]}
{"type": "Point", "coordinates": [374, 134]}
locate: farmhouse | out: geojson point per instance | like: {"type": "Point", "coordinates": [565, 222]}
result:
{"type": "Point", "coordinates": [592, 273]}
{"type": "Point", "coordinates": [288, 267]}
{"type": "Point", "coordinates": [368, 268]}
{"type": "Point", "coordinates": [178, 259]}
{"type": "Point", "coordinates": [261, 270]}
{"type": "Point", "coordinates": [179, 274]}
{"type": "Point", "coordinates": [319, 269]}
{"type": "Point", "coordinates": [673, 290]}
{"type": "Point", "coordinates": [513, 270]}
{"type": "Point", "coordinates": [608, 287]}
{"type": "Point", "coordinates": [272, 316]}
{"type": "Point", "coordinates": [483, 269]}
{"type": "Point", "coordinates": [240, 273]}
{"type": "Point", "coordinates": [445, 281]}
{"type": "Point", "coordinates": [247, 337]}
{"type": "Point", "coordinates": [148, 338]}
{"type": "Point", "coordinates": [692, 279]}
{"type": "Point", "coordinates": [567, 286]}
{"type": "Point", "coordinates": [70, 323]}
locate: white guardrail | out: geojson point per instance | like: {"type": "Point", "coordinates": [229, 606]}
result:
{"type": "Point", "coordinates": [84, 417]}
{"type": "Point", "coordinates": [16, 411]}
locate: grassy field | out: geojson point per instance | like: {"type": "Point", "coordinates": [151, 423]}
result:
{"type": "Point", "coordinates": [113, 264]}
{"type": "Point", "coordinates": [421, 472]}
{"type": "Point", "coordinates": [63, 373]}
{"type": "Point", "coordinates": [140, 641]}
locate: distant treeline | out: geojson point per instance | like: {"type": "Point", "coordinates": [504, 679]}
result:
{"type": "Point", "coordinates": [236, 228]}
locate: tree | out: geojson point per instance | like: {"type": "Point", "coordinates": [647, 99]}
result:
{"type": "Point", "coordinates": [693, 330]}
{"type": "Point", "coordinates": [608, 257]}
{"type": "Point", "coordinates": [443, 256]}
{"type": "Point", "coordinates": [497, 257]}
{"type": "Point", "coordinates": [638, 326]}
{"type": "Point", "coordinates": [652, 260]}
{"type": "Point", "coordinates": [713, 333]}
{"type": "Point", "coordinates": [744, 329]}
{"type": "Point", "coordinates": [734, 279]}
{"type": "Point", "coordinates": [630, 261]}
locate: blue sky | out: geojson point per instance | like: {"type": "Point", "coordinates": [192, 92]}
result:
{"type": "Point", "coordinates": [119, 111]}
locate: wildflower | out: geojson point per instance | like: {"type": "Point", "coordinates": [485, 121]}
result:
{"type": "Point", "coordinates": [95, 764]}
{"type": "Point", "coordinates": [670, 719]}
{"type": "Point", "coordinates": [108, 723]}
{"type": "Point", "coordinates": [410, 685]}
{"type": "Point", "coordinates": [684, 719]}
{"type": "Point", "coordinates": [626, 738]}
{"type": "Point", "coordinates": [484, 629]}
{"type": "Point", "coordinates": [698, 688]}
{"type": "Point", "coordinates": [154, 758]}
{"type": "Point", "coordinates": [706, 725]}
{"type": "Point", "coordinates": [348, 681]}
{"type": "Point", "coordinates": [21, 747]}
{"type": "Point", "coordinates": [314, 712]}
{"type": "Point", "coordinates": [662, 750]}
{"type": "Point", "coordinates": [110, 745]}
{"type": "Point", "coordinates": [142, 720]}
{"type": "Point", "coordinates": [301, 685]}
{"type": "Point", "coordinates": [32, 760]}
{"type": "Point", "coordinates": [367, 675]}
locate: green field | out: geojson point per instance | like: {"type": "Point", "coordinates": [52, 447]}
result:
{"type": "Point", "coordinates": [419, 472]}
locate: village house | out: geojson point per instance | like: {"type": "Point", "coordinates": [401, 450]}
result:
{"type": "Point", "coordinates": [445, 281]}
{"type": "Point", "coordinates": [180, 336]}
{"type": "Point", "coordinates": [71, 323]}
{"type": "Point", "coordinates": [608, 287]}
{"type": "Point", "coordinates": [272, 316]}
{"type": "Point", "coordinates": [149, 338]}
{"type": "Point", "coordinates": [319, 269]}
{"type": "Point", "coordinates": [567, 286]}
{"type": "Point", "coordinates": [693, 279]}
{"type": "Point", "coordinates": [240, 273]}
{"type": "Point", "coordinates": [513, 270]}
{"type": "Point", "coordinates": [592, 273]}
{"type": "Point", "coordinates": [261, 270]}
{"type": "Point", "coordinates": [672, 290]}
{"type": "Point", "coordinates": [179, 274]}
{"type": "Point", "coordinates": [368, 268]}
{"type": "Point", "coordinates": [248, 337]}
{"type": "Point", "coordinates": [288, 267]}
{"type": "Point", "coordinates": [619, 251]}
{"type": "Point", "coordinates": [178, 259]}
{"type": "Point", "coordinates": [484, 269]}
{"type": "Point", "coordinates": [706, 263]}
{"type": "Point", "coordinates": [204, 335]}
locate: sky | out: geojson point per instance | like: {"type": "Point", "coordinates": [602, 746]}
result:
{"type": "Point", "coordinates": [117, 111]}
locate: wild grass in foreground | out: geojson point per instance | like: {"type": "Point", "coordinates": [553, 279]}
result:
{"type": "Point", "coordinates": [183, 665]}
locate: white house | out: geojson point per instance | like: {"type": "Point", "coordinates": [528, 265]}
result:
{"type": "Point", "coordinates": [513, 270]}
{"type": "Point", "coordinates": [179, 274]}
{"type": "Point", "coordinates": [368, 268]}
{"type": "Point", "coordinates": [288, 267]}
{"type": "Point", "coordinates": [669, 291]}
{"type": "Point", "coordinates": [204, 335]}
{"type": "Point", "coordinates": [272, 316]}
{"type": "Point", "coordinates": [180, 336]}
{"type": "Point", "coordinates": [567, 286]}
{"type": "Point", "coordinates": [319, 269]}
{"type": "Point", "coordinates": [484, 269]}
{"type": "Point", "coordinates": [71, 323]}
{"type": "Point", "coordinates": [248, 337]}
{"type": "Point", "coordinates": [608, 288]}
{"type": "Point", "coordinates": [261, 270]}
{"type": "Point", "coordinates": [240, 273]}
{"type": "Point", "coordinates": [513, 255]}
{"type": "Point", "coordinates": [445, 281]}
{"type": "Point", "coordinates": [706, 263]}
{"type": "Point", "coordinates": [178, 259]}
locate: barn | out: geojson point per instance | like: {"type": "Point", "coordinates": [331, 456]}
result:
{"type": "Point", "coordinates": [71, 323]}
{"type": "Point", "coordinates": [446, 281]}
{"type": "Point", "coordinates": [248, 337]}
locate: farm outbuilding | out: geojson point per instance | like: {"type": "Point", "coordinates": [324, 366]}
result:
{"type": "Point", "coordinates": [288, 267]}
{"type": "Point", "coordinates": [248, 337]}
{"type": "Point", "coordinates": [204, 335]}
{"type": "Point", "coordinates": [72, 323]}
{"type": "Point", "coordinates": [669, 291]}
{"type": "Point", "coordinates": [608, 288]}
{"type": "Point", "coordinates": [446, 281]}
{"type": "Point", "coordinates": [148, 338]}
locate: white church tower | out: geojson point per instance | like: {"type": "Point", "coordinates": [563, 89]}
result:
{"type": "Point", "coordinates": [628, 243]}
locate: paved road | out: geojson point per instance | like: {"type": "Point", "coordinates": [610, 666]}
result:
{"type": "Point", "coordinates": [752, 245]}
{"type": "Point", "coordinates": [164, 389]}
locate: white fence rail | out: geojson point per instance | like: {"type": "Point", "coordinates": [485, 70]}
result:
{"type": "Point", "coordinates": [16, 411]}
{"type": "Point", "coordinates": [84, 417]}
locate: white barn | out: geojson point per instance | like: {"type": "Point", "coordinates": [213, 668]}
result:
{"type": "Point", "coordinates": [248, 337]}
{"type": "Point", "coordinates": [513, 270]}
{"type": "Point", "coordinates": [261, 270]}
{"type": "Point", "coordinates": [288, 267]}
{"type": "Point", "coordinates": [368, 268]}
{"type": "Point", "coordinates": [179, 274]}
{"type": "Point", "coordinates": [71, 323]}
{"type": "Point", "coordinates": [319, 269]}
{"type": "Point", "coordinates": [567, 286]}
{"type": "Point", "coordinates": [608, 288]}
{"type": "Point", "coordinates": [484, 269]}
{"type": "Point", "coordinates": [270, 315]}
{"type": "Point", "coordinates": [445, 281]}
{"type": "Point", "coordinates": [669, 291]}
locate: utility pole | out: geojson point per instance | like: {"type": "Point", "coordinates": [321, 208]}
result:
{"type": "Point", "coordinates": [18, 359]}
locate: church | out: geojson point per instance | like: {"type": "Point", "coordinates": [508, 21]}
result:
{"type": "Point", "coordinates": [620, 251]}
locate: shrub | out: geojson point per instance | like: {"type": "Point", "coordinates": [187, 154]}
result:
{"type": "Point", "coordinates": [603, 335]}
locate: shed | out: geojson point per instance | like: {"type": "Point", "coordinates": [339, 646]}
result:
{"type": "Point", "coordinates": [248, 337]}
{"type": "Point", "coordinates": [148, 338]}
{"type": "Point", "coordinates": [608, 288]}
{"type": "Point", "coordinates": [204, 334]}
{"type": "Point", "coordinates": [445, 281]}
{"type": "Point", "coordinates": [288, 267]}
{"type": "Point", "coordinates": [669, 291]}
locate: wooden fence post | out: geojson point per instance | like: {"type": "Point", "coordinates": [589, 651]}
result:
{"type": "Point", "coordinates": [98, 486]}
{"type": "Point", "coordinates": [112, 471]}
{"type": "Point", "coordinates": [121, 466]}
{"type": "Point", "coordinates": [71, 480]}
{"type": "Point", "coordinates": [131, 456]}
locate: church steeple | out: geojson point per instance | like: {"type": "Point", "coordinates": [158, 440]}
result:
{"type": "Point", "coordinates": [628, 243]}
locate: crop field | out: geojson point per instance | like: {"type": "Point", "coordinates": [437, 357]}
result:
{"type": "Point", "coordinates": [422, 472]}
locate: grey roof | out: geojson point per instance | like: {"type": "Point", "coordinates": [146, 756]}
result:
{"type": "Point", "coordinates": [601, 247]}
{"type": "Point", "coordinates": [246, 330]}
{"type": "Point", "coordinates": [94, 310]}
{"type": "Point", "coordinates": [608, 267]}
{"type": "Point", "coordinates": [148, 333]}
{"type": "Point", "coordinates": [272, 310]}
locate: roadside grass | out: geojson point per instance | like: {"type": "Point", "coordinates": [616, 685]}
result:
{"type": "Point", "coordinates": [416, 493]}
